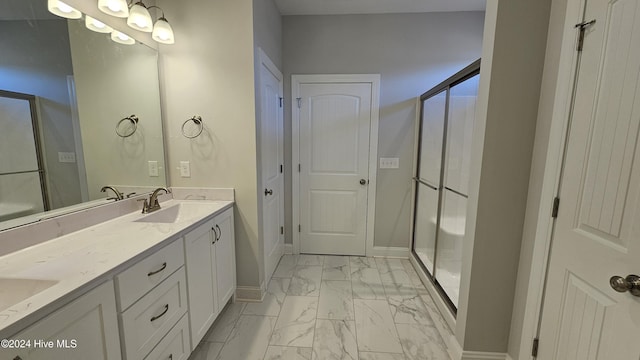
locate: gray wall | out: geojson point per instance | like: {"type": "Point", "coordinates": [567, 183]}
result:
{"type": "Point", "coordinates": [510, 80]}
{"type": "Point", "coordinates": [519, 342]}
{"type": "Point", "coordinates": [412, 52]}
{"type": "Point", "coordinates": [267, 30]}
{"type": "Point", "coordinates": [209, 72]}
{"type": "Point", "coordinates": [36, 60]}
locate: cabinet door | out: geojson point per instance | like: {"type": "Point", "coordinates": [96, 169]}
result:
{"type": "Point", "coordinates": [85, 329]}
{"type": "Point", "coordinates": [200, 281]}
{"type": "Point", "coordinates": [225, 257]}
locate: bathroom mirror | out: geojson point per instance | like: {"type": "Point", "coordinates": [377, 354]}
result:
{"type": "Point", "coordinates": [78, 111]}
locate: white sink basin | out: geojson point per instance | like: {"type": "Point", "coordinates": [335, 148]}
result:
{"type": "Point", "coordinates": [13, 291]}
{"type": "Point", "coordinates": [176, 213]}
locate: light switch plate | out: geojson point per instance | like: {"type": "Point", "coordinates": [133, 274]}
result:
{"type": "Point", "coordinates": [153, 168]}
{"type": "Point", "coordinates": [185, 169]}
{"type": "Point", "coordinates": [66, 157]}
{"type": "Point", "coordinates": [389, 163]}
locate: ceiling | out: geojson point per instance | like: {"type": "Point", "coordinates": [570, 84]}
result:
{"type": "Point", "coordinates": [334, 7]}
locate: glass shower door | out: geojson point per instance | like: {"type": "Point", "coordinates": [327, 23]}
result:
{"type": "Point", "coordinates": [428, 179]}
{"type": "Point", "coordinates": [442, 179]}
{"type": "Point", "coordinates": [451, 231]}
{"type": "Point", "coordinates": [21, 174]}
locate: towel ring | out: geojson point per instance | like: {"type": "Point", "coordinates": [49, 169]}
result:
{"type": "Point", "coordinates": [134, 121]}
{"type": "Point", "coordinates": [198, 121]}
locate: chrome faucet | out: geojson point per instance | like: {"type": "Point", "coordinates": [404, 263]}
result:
{"type": "Point", "coordinates": [119, 195]}
{"type": "Point", "coordinates": [153, 204]}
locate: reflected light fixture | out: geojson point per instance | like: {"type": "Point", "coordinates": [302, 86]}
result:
{"type": "Point", "coordinates": [117, 8]}
{"type": "Point", "coordinates": [61, 9]}
{"type": "Point", "coordinates": [162, 32]}
{"type": "Point", "coordinates": [122, 38]}
{"type": "Point", "coordinates": [96, 25]}
{"type": "Point", "coordinates": [139, 18]}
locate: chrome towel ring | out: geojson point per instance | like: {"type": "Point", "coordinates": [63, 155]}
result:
{"type": "Point", "coordinates": [128, 131]}
{"type": "Point", "coordinates": [196, 120]}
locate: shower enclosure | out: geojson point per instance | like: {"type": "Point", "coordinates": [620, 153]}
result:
{"type": "Point", "coordinates": [22, 177]}
{"type": "Point", "coordinates": [442, 179]}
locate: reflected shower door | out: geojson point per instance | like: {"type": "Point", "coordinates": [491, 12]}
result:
{"type": "Point", "coordinates": [22, 189]}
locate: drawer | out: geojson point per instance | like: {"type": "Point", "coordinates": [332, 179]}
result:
{"type": "Point", "coordinates": [147, 321]}
{"type": "Point", "coordinates": [137, 280]}
{"type": "Point", "coordinates": [174, 346]}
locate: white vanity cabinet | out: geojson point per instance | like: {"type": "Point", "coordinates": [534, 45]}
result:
{"type": "Point", "coordinates": [86, 328]}
{"type": "Point", "coordinates": [210, 262]}
{"type": "Point", "coordinates": [152, 298]}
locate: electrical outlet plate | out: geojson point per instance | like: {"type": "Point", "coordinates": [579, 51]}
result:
{"type": "Point", "coordinates": [389, 163]}
{"type": "Point", "coordinates": [66, 157]}
{"type": "Point", "coordinates": [185, 169]}
{"type": "Point", "coordinates": [153, 168]}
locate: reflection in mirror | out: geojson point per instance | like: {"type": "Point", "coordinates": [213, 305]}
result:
{"type": "Point", "coordinates": [65, 94]}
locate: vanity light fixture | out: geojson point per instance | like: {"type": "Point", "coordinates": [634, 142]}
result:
{"type": "Point", "coordinates": [122, 38]}
{"type": "Point", "coordinates": [96, 25]}
{"type": "Point", "coordinates": [139, 18]}
{"type": "Point", "coordinates": [59, 8]}
{"type": "Point", "coordinates": [117, 8]}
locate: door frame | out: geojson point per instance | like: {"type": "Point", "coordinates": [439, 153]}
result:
{"type": "Point", "coordinates": [551, 181]}
{"type": "Point", "coordinates": [374, 80]}
{"type": "Point", "coordinates": [264, 60]}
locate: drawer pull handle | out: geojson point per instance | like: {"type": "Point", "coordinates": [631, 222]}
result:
{"type": "Point", "coordinates": [164, 266]}
{"type": "Point", "coordinates": [219, 232]}
{"type": "Point", "coordinates": [166, 308]}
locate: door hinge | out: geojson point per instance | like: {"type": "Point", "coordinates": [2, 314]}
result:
{"type": "Point", "coordinates": [534, 347]}
{"type": "Point", "coordinates": [556, 207]}
{"type": "Point", "coordinates": [299, 102]}
{"type": "Point", "coordinates": [281, 230]}
{"type": "Point", "coordinates": [582, 28]}
{"type": "Point", "coordinates": [281, 169]}
{"type": "Point", "coordinates": [299, 167]}
{"type": "Point", "coordinates": [281, 100]}
{"type": "Point", "coordinates": [299, 228]}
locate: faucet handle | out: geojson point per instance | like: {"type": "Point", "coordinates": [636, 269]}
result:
{"type": "Point", "coordinates": [145, 205]}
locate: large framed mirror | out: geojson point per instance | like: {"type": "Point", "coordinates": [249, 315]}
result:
{"type": "Point", "coordinates": [78, 112]}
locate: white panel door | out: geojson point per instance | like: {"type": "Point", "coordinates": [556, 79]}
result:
{"type": "Point", "coordinates": [597, 232]}
{"type": "Point", "coordinates": [335, 120]}
{"type": "Point", "coordinates": [272, 148]}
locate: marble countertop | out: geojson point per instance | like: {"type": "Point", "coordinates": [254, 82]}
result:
{"type": "Point", "coordinates": [81, 260]}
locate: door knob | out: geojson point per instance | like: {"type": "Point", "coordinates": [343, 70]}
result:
{"type": "Point", "coordinates": [268, 192]}
{"type": "Point", "coordinates": [631, 284]}
{"type": "Point", "coordinates": [363, 181]}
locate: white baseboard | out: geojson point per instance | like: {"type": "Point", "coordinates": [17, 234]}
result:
{"type": "Point", "coordinates": [288, 248]}
{"type": "Point", "coordinates": [480, 355]}
{"type": "Point", "coordinates": [249, 293]}
{"type": "Point", "coordinates": [382, 251]}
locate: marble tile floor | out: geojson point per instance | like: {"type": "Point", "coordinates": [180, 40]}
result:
{"type": "Point", "coordinates": [332, 308]}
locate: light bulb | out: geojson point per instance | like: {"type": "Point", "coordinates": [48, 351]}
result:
{"type": "Point", "coordinates": [63, 10]}
{"type": "Point", "coordinates": [139, 18]}
{"type": "Point", "coordinates": [122, 38]}
{"type": "Point", "coordinates": [162, 32]}
{"type": "Point", "coordinates": [114, 6]}
{"type": "Point", "coordinates": [96, 25]}
{"type": "Point", "coordinates": [117, 8]}
{"type": "Point", "coordinates": [64, 7]}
